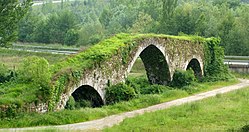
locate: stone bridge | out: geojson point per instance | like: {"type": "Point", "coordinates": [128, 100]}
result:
{"type": "Point", "coordinates": [161, 56]}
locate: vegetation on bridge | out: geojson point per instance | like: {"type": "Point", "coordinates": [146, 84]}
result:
{"type": "Point", "coordinates": [69, 72]}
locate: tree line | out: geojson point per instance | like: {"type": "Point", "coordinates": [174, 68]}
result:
{"type": "Point", "coordinates": [85, 22]}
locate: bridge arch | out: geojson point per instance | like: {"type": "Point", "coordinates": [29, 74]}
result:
{"type": "Point", "coordinates": [155, 63]}
{"type": "Point", "coordinates": [196, 66]}
{"type": "Point", "coordinates": [87, 93]}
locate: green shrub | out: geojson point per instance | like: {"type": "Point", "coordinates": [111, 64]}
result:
{"type": "Point", "coordinates": [183, 78]}
{"type": "Point", "coordinates": [138, 83]}
{"type": "Point", "coordinates": [71, 37]}
{"type": "Point", "coordinates": [154, 89]}
{"type": "Point", "coordinates": [70, 103]}
{"type": "Point", "coordinates": [36, 70]}
{"type": "Point", "coordinates": [119, 92]}
{"type": "Point", "coordinates": [245, 128]}
{"type": "Point", "coordinates": [83, 103]}
{"type": "Point", "coordinates": [5, 73]}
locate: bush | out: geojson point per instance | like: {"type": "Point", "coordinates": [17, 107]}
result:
{"type": "Point", "coordinates": [36, 70]}
{"type": "Point", "coordinates": [5, 74]}
{"type": "Point", "coordinates": [183, 78]}
{"type": "Point", "coordinates": [154, 89]}
{"type": "Point", "coordinates": [83, 103]}
{"type": "Point", "coordinates": [70, 103]}
{"type": "Point", "coordinates": [71, 37]}
{"type": "Point", "coordinates": [119, 92]}
{"type": "Point", "coordinates": [138, 83]}
{"type": "Point", "coordinates": [245, 128]}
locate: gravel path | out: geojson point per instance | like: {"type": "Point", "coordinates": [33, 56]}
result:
{"type": "Point", "coordinates": [116, 119]}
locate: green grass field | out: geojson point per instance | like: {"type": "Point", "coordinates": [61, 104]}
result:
{"type": "Point", "coordinates": [13, 58]}
{"type": "Point", "coordinates": [228, 112]}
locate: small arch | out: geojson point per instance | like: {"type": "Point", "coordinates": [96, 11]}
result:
{"type": "Point", "coordinates": [156, 66]}
{"type": "Point", "coordinates": [194, 64]}
{"type": "Point", "coordinates": [88, 93]}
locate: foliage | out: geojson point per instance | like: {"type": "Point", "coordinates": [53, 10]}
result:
{"type": "Point", "coordinates": [167, 13]}
{"type": "Point", "coordinates": [154, 89]}
{"type": "Point", "coordinates": [94, 21]}
{"type": "Point", "coordinates": [83, 104]}
{"type": "Point", "coordinates": [5, 74]}
{"type": "Point", "coordinates": [244, 128]}
{"type": "Point", "coordinates": [71, 37]}
{"type": "Point", "coordinates": [183, 78]}
{"type": "Point", "coordinates": [70, 103]}
{"type": "Point", "coordinates": [36, 70]}
{"type": "Point", "coordinates": [138, 83]}
{"type": "Point", "coordinates": [142, 24]}
{"type": "Point", "coordinates": [11, 12]}
{"type": "Point", "coordinates": [214, 67]}
{"type": "Point", "coordinates": [119, 92]}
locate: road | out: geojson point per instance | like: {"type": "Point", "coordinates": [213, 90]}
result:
{"type": "Point", "coordinates": [116, 119]}
{"type": "Point", "coordinates": [236, 62]}
{"type": "Point", "coordinates": [40, 3]}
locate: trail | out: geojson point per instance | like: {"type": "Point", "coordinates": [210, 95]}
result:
{"type": "Point", "coordinates": [116, 119]}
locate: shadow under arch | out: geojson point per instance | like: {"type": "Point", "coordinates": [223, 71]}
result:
{"type": "Point", "coordinates": [88, 93]}
{"type": "Point", "coordinates": [156, 66]}
{"type": "Point", "coordinates": [194, 64]}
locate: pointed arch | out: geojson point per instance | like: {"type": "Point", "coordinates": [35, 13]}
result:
{"type": "Point", "coordinates": [155, 64]}
{"type": "Point", "coordinates": [194, 64]}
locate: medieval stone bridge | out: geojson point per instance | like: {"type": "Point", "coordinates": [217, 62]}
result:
{"type": "Point", "coordinates": [161, 56]}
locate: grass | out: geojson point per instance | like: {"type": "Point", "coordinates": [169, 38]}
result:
{"type": "Point", "coordinates": [13, 58]}
{"type": "Point", "coordinates": [241, 75]}
{"type": "Point", "coordinates": [86, 114]}
{"type": "Point", "coordinates": [228, 112]}
{"type": "Point", "coordinates": [12, 93]}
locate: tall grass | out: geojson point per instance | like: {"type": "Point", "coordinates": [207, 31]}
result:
{"type": "Point", "coordinates": [227, 112]}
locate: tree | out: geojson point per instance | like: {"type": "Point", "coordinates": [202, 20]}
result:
{"type": "Point", "coordinates": [168, 10]}
{"type": "Point", "coordinates": [143, 23]}
{"type": "Point", "coordinates": [11, 11]}
{"type": "Point", "coordinates": [27, 27]}
{"type": "Point", "coordinates": [105, 17]}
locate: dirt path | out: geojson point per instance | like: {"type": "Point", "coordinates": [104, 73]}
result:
{"type": "Point", "coordinates": [116, 119]}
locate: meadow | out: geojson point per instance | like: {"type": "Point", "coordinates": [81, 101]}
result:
{"type": "Point", "coordinates": [228, 112]}
{"type": "Point", "coordinates": [13, 58]}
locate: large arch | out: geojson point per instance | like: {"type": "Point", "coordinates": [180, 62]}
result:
{"type": "Point", "coordinates": [156, 66]}
{"type": "Point", "coordinates": [155, 63]}
{"type": "Point", "coordinates": [195, 65]}
{"type": "Point", "coordinates": [88, 93]}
